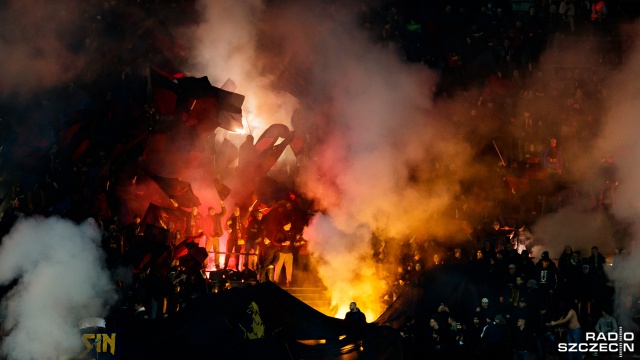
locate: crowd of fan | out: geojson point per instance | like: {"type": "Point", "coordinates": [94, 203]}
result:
{"type": "Point", "coordinates": [517, 303]}
{"type": "Point", "coordinates": [474, 39]}
{"type": "Point", "coordinates": [167, 273]}
{"type": "Point", "coordinates": [498, 48]}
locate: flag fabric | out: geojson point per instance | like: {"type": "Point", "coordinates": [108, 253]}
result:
{"type": "Point", "coordinates": [162, 216]}
{"type": "Point", "coordinates": [230, 111]}
{"type": "Point", "coordinates": [178, 190]}
{"type": "Point", "coordinates": [264, 160]}
{"type": "Point", "coordinates": [230, 118]}
{"type": "Point", "coordinates": [203, 112]}
{"type": "Point", "coordinates": [195, 101]}
{"type": "Point", "coordinates": [270, 136]}
{"type": "Point", "coordinates": [297, 144]}
{"type": "Point", "coordinates": [223, 190]}
{"type": "Point", "coordinates": [209, 106]}
{"type": "Point", "coordinates": [190, 255]}
{"type": "Point", "coordinates": [156, 234]}
{"type": "Point", "coordinates": [229, 85]}
{"type": "Point", "coordinates": [164, 92]}
{"type": "Point", "coordinates": [182, 242]}
{"type": "Point", "coordinates": [227, 154]}
{"type": "Point", "coordinates": [270, 156]}
{"type": "Point", "coordinates": [269, 191]}
{"type": "Point", "coordinates": [74, 140]}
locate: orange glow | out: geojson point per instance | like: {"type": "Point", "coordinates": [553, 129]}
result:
{"type": "Point", "coordinates": [239, 131]}
{"type": "Point", "coordinates": [369, 305]}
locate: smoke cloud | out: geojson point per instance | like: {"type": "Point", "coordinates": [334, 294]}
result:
{"type": "Point", "coordinates": [618, 139]}
{"type": "Point", "coordinates": [391, 160]}
{"type": "Point", "coordinates": [38, 52]}
{"type": "Point", "coordinates": [226, 46]}
{"type": "Point", "coordinates": [61, 279]}
{"type": "Point", "coordinates": [385, 162]}
{"type": "Point", "coordinates": [614, 231]}
{"type": "Point", "coordinates": [388, 158]}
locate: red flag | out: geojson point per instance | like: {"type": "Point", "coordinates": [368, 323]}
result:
{"type": "Point", "coordinates": [164, 91]}
{"type": "Point", "coordinates": [176, 189]}
{"type": "Point", "coordinates": [74, 140]}
{"type": "Point", "coordinates": [227, 154]}
{"type": "Point", "coordinates": [84, 145]}
{"type": "Point", "coordinates": [264, 162]}
{"type": "Point", "coordinates": [203, 111]}
{"type": "Point", "coordinates": [270, 156]}
{"type": "Point", "coordinates": [190, 254]}
{"type": "Point", "coordinates": [270, 136]}
{"type": "Point", "coordinates": [230, 119]}
{"type": "Point", "coordinates": [161, 217]}
{"type": "Point", "coordinates": [189, 239]}
{"type": "Point", "coordinates": [211, 106]}
{"type": "Point", "coordinates": [229, 85]}
{"type": "Point", "coordinates": [223, 190]}
{"type": "Point", "coordinates": [164, 101]}
{"type": "Point", "coordinates": [297, 144]}
{"type": "Point", "coordinates": [155, 233]}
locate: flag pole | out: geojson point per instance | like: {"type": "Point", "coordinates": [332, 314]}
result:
{"type": "Point", "coordinates": [498, 150]}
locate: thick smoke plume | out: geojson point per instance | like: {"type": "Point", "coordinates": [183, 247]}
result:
{"type": "Point", "coordinates": [389, 160]}
{"type": "Point", "coordinates": [60, 278]}
{"type": "Point", "coordinates": [384, 161]}
{"type": "Point", "coordinates": [226, 47]}
{"type": "Point", "coordinates": [615, 230]}
{"type": "Point", "coordinates": [619, 139]}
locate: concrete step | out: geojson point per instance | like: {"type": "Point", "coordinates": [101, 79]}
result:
{"type": "Point", "coordinates": [316, 297]}
{"type": "Point", "coordinates": [297, 290]}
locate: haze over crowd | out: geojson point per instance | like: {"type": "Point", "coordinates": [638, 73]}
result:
{"type": "Point", "coordinates": [388, 162]}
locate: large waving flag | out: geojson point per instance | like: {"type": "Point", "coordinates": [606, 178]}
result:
{"type": "Point", "coordinates": [269, 151]}
{"type": "Point", "coordinates": [164, 92]}
{"type": "Point", "coordinates": [223, 190]}
{"type": "Point", "coordinates": [195, 101]}
{"type": "Point", "coordinates": [161, 217]}
{"type": "Point", "coordinates": [270, 136]}
{"type": "Point", "coordinates": [178, 190]}
{"type": "Point", "coordinates": [226, 155]}
{"type": "Point", "coordinates": [297, 143]}
{"type": "Point", "coordinates": [269, 157]}
{"type": "Point", "coordinates": [210, 106]}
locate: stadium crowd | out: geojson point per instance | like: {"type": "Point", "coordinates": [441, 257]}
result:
{"type": "Point", "coordinates": [496, 46]}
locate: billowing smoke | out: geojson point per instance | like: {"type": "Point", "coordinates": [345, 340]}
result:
{"type": "Point", "coordinates": [613, 230]}
{"type": "Point", "coordinates": [389, 160]}
{"type": "Point", "coordinates": [226, 47]}
{"type": "Point", "coordinates": [618, 139]}
{"type": "Point", "coordinates": [37, 45]}
{"type": "Point", "coordinates": [577, 125]}
{"type": "Point", "coordinates": [384, 161]}
{"type": "Point", "coordinates": [61, 279]}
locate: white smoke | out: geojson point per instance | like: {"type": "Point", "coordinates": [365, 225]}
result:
{"type": "Point", "coordinates": [619, 139]}
{"type": "Point", "coordinates": [615, 230]}
{"type": "Point", "coordinates": [372, 118]}
{"type": "Point", "coordinates": [376, 125]}
{"type": "Point", "coordinates": [225, 46]}
{"type": "Point", "coordinates": [61, 279]}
